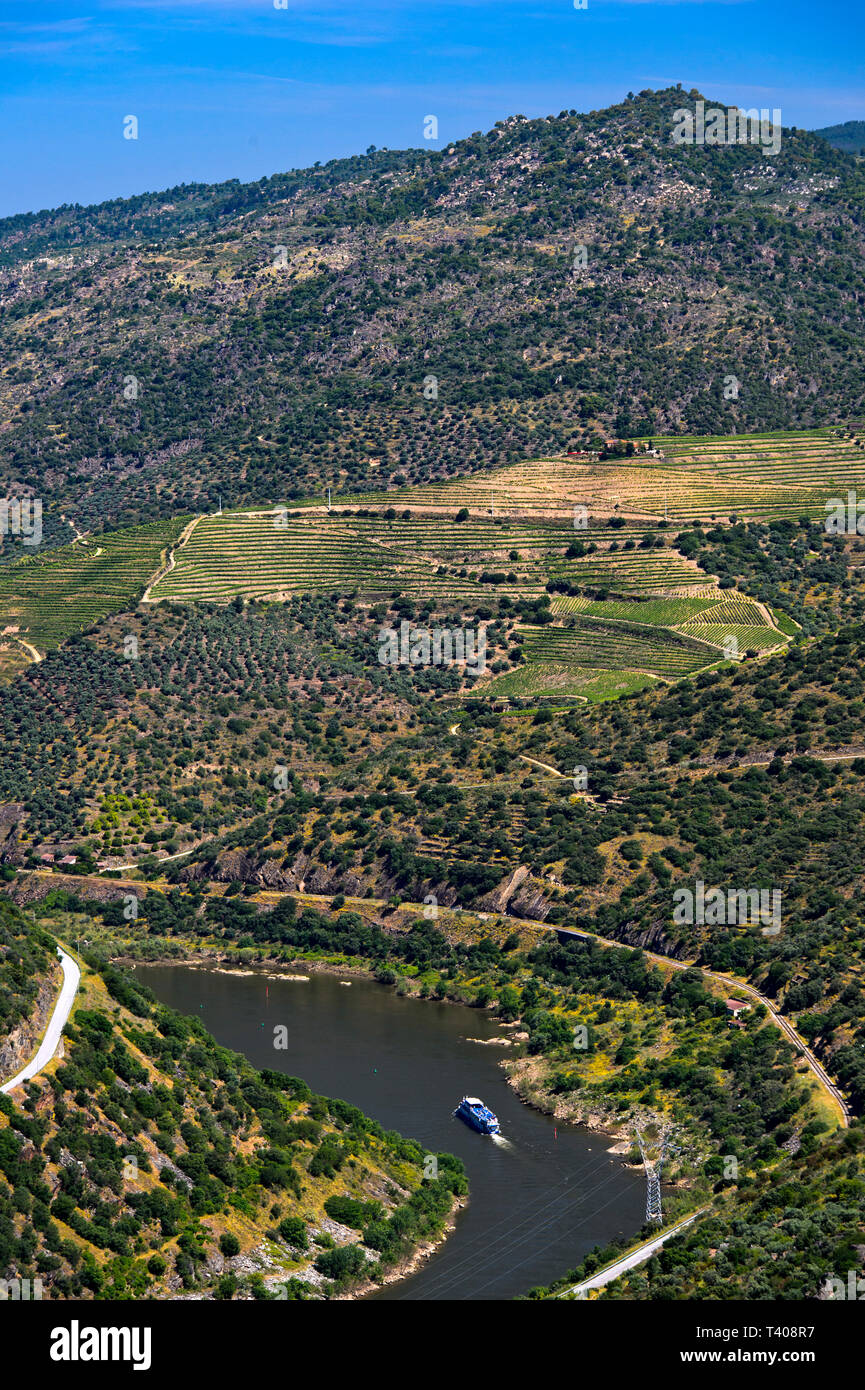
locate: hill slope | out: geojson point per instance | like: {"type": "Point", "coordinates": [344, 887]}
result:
{"type": "Point", "coordinates": [849, 136]}
{"type": "Point", "coordinates": [260, 341]}
{"type": "Point", "coordinates": [148, 1161]}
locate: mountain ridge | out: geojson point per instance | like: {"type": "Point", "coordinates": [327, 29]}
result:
{"type": "Point", "coordinates": [417, 314]}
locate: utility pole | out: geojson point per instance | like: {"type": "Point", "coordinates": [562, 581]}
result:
{"type": "Point", "coordinates": [653, 1169]}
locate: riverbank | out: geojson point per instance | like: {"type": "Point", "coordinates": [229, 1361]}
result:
{"type": "Point", "coordinates": [539, 1199]}
{"type": "Point", "coordinates": [521, 1072]}
{"type": "Point", "coordinates": [408, 1266]}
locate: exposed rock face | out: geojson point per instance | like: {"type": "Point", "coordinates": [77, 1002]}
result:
{"type": "Point", "coordinates": [270, 875]}
{"type": "Point", "coordinates": [29, 888]}
{"type": "Point", "coordinates": [18, 1047]}
{"type": "Point", "coordinates": [239, 866]}
{"type": "Point", "coordinates": [654, 938]}
{"type": "Point", "coordinates": [10, 815]}
{"type": "Point", "coordinates": [498, 899]}
{"type": "Point", "coordinates": [529, 902]}
{"type": "Point", "coordinates": [162, 1160]}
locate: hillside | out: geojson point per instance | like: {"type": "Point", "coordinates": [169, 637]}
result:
{"type": "Point", "coordinates": [785, 1234]}
{"type": "Point", "coordinates": [262, 750]}
{"type": "Point", "coordinates": [149, 1162]}
{"type": "Point", "coordinates": [849, 136]}
{"type": "Point", "coordinates": [574, 400]}
{"type": "Point", "coordinates": [419, 315]}
{"type": "Point", "coordinates": [267, 790]}
{"type": "Point", "coordinates": [599, 589]}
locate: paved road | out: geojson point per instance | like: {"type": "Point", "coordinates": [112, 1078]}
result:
{"type": "Point", "coordinates": [636, 1257]}
{"type": "Point", "coordinates": [729, 982]}
{"type": "Point", "coordinates": [51, 1040]}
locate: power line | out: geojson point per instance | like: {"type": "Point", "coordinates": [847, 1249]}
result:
{"type": "Point", "coordinates": [521, 1240]}
{"type": "Point", "coordinates": [653, 1169]}
{"type": "Point", "coordinates": [482, 1242]}
{"type": "Point", "coordinates": [458, 1273]}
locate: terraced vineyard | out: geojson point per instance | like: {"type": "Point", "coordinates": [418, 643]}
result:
{"type": "Point", "coordinates": [615, 646]}
{"type": "Point", "coordinates": [764, 476]}
{"type": "Point", "coordinates": [667, 612]}
{"type": "Point", "coordinates": [271, 554]}
{"type": "Point", "coordinates": [735, 610]}
{"type": "Point", "coordinates": [661, 571]}
{"type": "Point", "coordinates": [738, 618]}
{"type": "Point", "coordinates": [548, 681]}
{"type": "Point", "coordinates": [641, 609]}
{"type": "Point", "coordinates": [710, 621]}
{"type": "Point", "coordinates": [759, 638]}
{"type": "Point", "coordinates": [636, 606]}
{"type": "Point", "coordinates": [780, 474]}
{"type": "Point", "coordinates": [45, 599]}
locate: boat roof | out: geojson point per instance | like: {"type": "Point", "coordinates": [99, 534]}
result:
{"type": "Point", "coordinates": [472, 1100]}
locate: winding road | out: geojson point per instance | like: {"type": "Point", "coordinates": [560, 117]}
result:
{"type": "Point", "coordinates": [729, 982]}
{"type": "Point", "coordinates": [168, 564]}
{"type": "Point", "coordinates": [56, 1024]}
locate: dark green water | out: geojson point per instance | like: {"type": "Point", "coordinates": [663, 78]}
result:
{"type": "Point", "coordinates": [539, 1199]}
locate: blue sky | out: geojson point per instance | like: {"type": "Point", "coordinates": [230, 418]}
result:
{"type": "Point", "coordinates": [239, 89]}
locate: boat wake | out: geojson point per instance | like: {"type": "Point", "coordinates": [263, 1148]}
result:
{"type": "Point", "coordinates": [502, 1142]}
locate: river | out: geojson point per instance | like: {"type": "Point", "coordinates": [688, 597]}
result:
{"type": "Point", "coordinates": [539, 1198]}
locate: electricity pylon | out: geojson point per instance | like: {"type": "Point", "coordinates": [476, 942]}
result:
{"type": "Point", "coordinates": [653, 1169]}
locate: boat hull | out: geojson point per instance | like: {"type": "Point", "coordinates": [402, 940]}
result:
{"type": "Point", "coordinates": [484, 1121]}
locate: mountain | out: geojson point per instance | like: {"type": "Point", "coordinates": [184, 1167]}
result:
{"type": "Point", "coordinates": [419, 314]}
{"type": "Point", "coordinates": [849, 136]}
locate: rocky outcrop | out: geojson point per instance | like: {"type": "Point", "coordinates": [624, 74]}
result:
{"type": "Point", "coordinates": [529, 902]}
{"type": "Point", "coordinates": [30, 888]}
{"type": "Point", "coordinates": [302, 875]}
{"type": "Point", "coordinates": [10, 816]}
{"type": "Point", "coordinates": [653, 938]}
{"type": "Point", "coordinates": [18, 1047]}
{"type": "Point", "coordinates": [498, 899]}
